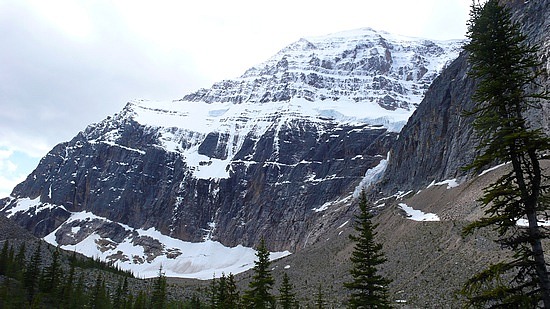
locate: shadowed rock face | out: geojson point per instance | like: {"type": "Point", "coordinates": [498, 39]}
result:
{"type": "Point", "coordinates": [438, 141]}
{"type": "Point", "coordinates": [150, 187]}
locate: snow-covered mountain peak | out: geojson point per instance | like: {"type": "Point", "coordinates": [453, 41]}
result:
{"type": "Point", "coordinates": [363, 65]}
{"type": "Point", "coordinates": [359, 77]}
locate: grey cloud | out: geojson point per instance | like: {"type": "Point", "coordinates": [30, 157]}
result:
{"type": "Point", "coordinates": [51, 86]}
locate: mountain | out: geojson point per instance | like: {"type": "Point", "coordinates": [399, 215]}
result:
{"type": "Point", "coordinates": [194, 184]}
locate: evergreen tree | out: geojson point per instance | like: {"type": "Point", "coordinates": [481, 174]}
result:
{"type": "Point", "coordinates": [4, 255]}
{"type": "Point", "coordinates": [20, 256]}
{"type": "Point", "coordinates": [214, 293]}
{"type": "Point", "coordinates": [117, 297]}
{"type": "Point", "coordinates": [67, 292]}
{"type": "Point", "coordinates": [505, 67]}
{"type": "Point", "coordinates": [13, 268]}
{"type": "Point", "coordinates": [258, 296]}
{"type": "Point", "coordinates": [52, 274]}
{"type": "Point", "coordinates": [194, 303]}
{"type": "Point", "coordinates": [141, 301]}
{"type": "Point", "coordinates": [368, 288]}
{"type": "Point", "coordinates": [287, 298]}
{"type": "Point", "coordinates": [158, 298]}
{"type": "Point", "coordinates": [32, 273]}
{"type": "Point", "coordinates": [224, 293]}
{"type": "Point", "coordinates": [233, 298]}
{"type": "Point", "coordinates": [99, 298]}
{"type": "Point", "coordinates": [320, 298]}
{"type": "Point", "coordinates": [125, 298]}
{"type": "Point", "coordinates": [121, 295]}
{"type": "Point", "coordinates": [79, 297]}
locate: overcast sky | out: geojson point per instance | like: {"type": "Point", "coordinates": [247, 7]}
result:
{"type": "Point", "coordinates": [66, 64]}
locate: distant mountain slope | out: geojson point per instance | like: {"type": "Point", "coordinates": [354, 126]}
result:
{"type": "Point", "coordinates": [271, 154]}
{"type": "Point", "coordinates": [10, 230]}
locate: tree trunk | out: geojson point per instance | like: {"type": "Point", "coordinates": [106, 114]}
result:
{"type": "Point", "coordinates": [530, 196]}
{"type": "Point", "coordinates": [540, 263]}
{"type": "Point", "coordinates": [534, 230]}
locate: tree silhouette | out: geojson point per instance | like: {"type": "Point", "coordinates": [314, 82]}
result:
{"type": "Point", "coordinates": [287, 298]}
{"type": "Point", "coordinates": [368, 288]}
{"type": "Point", "coordinates": [158, 298]}
{"type": "Point", "coordinates": [505, 67]}
{"type": "Point", "coordinates": [259, 295]}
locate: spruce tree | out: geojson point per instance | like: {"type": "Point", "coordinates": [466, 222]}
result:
{"type": "Point", "coordinates": [224, 293]}
{"type": "Point", "coordinates": [158, 299]}
{"type": "Point", "coordinates": [4, 255]}
{"type": "Point", "coordinates": [259, 296]}
{"type": "Point", "coordinates": [67, 292]}
{"type": "Point", "coordinates": [287, 298]}
{"type": "Point", "coordinates": [20, 256]}
{"type": "Point", "coordinates": [141, 301]}
{"type": "Point", "coordinates": [320, 298]}
{"type": "Point", "coordinates": [368, 289]}
{"type": "Point", "coordinates": [121, 295]}
{"type": "Point", "coordinates": [117, 297]}
{"type": "Point", "coordinates": [13, 269]}
{"type": "Point", "coordinates": [78, 297]}
{"type": "Point", "coordinates": [52, 274]}
{"type": "Point", "coordinates": [99, 298]}
{"type": "Point", "coordinates": [505, 66]}
{"type": "Point", "coordinates": [233, 298]}
{"type": "Point", "coordinates": [32, 273]}
{"type": "Point", "coordinates": [214, 292]}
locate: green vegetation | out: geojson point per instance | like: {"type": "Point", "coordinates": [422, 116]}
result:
{"type": "Point", "coordinates": [368, 288]}
{"type": "Point", "coordinates": [259, 293]}
{"type": "Point", "coordinates": [65, 281]}
{"type": "Point", "coordinates": [287, 298]}
{"type": "Point", "coordinates": [505, 66]}
{"type": "Point", "coordinates": [36, 284]}
{"type": "Point", "coordinates": [224, 293]}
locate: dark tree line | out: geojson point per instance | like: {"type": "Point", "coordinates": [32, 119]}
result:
{"type": "Point", "coordinates": [26, 282]}
{"type": "Point", "coordinates": [32, 283]}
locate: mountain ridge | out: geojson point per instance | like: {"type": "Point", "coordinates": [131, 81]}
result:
{"type": "Point", "coordinates": [276, 154]}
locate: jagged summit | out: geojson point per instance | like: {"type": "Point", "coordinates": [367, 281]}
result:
{"type": "Point", "coordinates": [276, 154]}
{"type": "Point", "coordinates": [361, 65]}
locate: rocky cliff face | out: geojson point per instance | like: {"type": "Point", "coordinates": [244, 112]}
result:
{"type": "Point", "coordinates": [438, 141]}
{"type": "Point", "coordinates": [266, 155]}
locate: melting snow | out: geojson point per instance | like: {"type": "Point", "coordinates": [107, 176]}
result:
{"type": "Point", "coordinates": [524, 222]}
{"type": "Point", "coordinates": [418, 215]}
{"type": "Point", "coordinates": [190, 122]}
{"type": "Point", "coordinates": [372, 176]}
{"type": "Point", "coordinates": [197, 260]}
{"type": "Point", "coordinates": [326, 205]}
{"type": "Point", "coordinates": [451, 183]}
{"type": "Point", "coordinates": [343, 224]}
{"type": "Point", "coordinates": [492, 169]}
{"type": "Point", "coordinates": [29, 205]}
{"type": "Point", "coordinates": [323, 207]}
